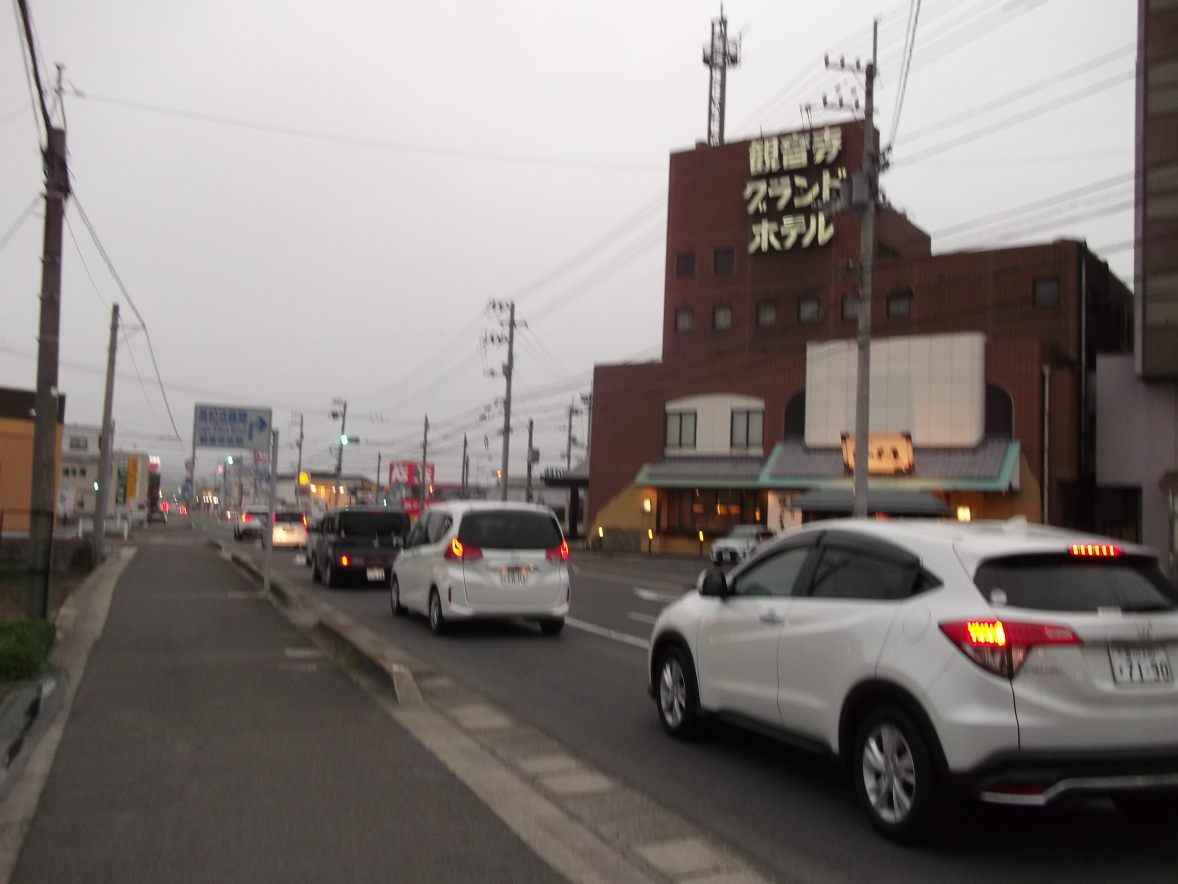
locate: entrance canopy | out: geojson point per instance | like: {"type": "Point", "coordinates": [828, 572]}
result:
{"type": "Point", "coordinates": [838, 501]}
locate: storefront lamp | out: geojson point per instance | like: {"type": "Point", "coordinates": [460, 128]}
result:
{"type": "Point", "coordinates": [964, 514]}
{"type": "Point", "coordinates": [646, 505]}
{"type": "Point", "coordinates": [650, 534]}
{"type": "Point", "coordinates": [701, 537]}
{"type": "Point", "coordinates": [600, 531]}
{"type": "Point", "coordinates": [304, 478]}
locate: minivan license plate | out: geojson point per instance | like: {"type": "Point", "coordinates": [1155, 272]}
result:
{"type": "Point", "coordinates": [376, 573]}
{"type": "Point", "coordinates": [1140, 664]}
{"type": "Point", "coordinates": [513, 576]}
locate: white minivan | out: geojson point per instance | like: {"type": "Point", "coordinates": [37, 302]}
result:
{"type": "Point", "coordinates": [484, 560]}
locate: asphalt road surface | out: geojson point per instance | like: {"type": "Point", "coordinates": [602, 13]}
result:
{"type": "Point", "coordinates": [790, 812]}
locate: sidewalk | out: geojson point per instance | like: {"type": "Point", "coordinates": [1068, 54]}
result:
{"type": "Point", "coordinates": [210, 741]}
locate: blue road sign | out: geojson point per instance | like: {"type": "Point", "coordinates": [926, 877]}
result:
{"type": "Point", "coordinates": [231, 426]}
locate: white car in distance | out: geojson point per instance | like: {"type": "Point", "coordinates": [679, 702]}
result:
{"type": "Point", "coordinates": [1009, 663]}
{"type": "Point", "coordinates": [739, 543]}
{"type": "Point", "coordinates": [463, 561]}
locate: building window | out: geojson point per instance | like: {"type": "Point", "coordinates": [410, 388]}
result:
{"type": "Point", "coordinates": [900, 304]}
{"type": "Point", "coordinates": [681, 429]}
{"type": "Point", "coordinates": [65, 472]}
{"type": "Point", "coordinates": [687, 511]}
{"type": "Point", "coordinates": [722, 318]}
{"type": "Point", "coordinates": [684, 319]}
{"type": "Point", "coordinates": [1046, 291]}
{"type": "Point", "coordinates": [808, 312]}
{"type": "Point", "coordinates": [999, 413]}
{"type": "Point", "coordinates": [82, 472]}
{"type": "Point", "coordinates": [766, 314]}
{"type": "Point", "coordinates": [851, 307]}
{"type": "Point", "coordinates": [685, 264]}
{"type": "Point", "coordinates": [747, 429]}
{"type": "Point", "coordinates": [79, 443]}
{"type": "Point", "coordinates": [723, 262]}
{"type": "Point", "coordinates": [795, 416]}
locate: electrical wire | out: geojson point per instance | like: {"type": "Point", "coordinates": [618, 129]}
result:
{"type": "Point", "coordinates": [118, 281]}
{"type": "Point", "coordinates": [363, 141]}
{"type": "Point", "coordinates": [139, 377]}
{"type": "Point", "coordinates": [13, 114]}
{"type": "Point", "coordinates": [32, 73]}
{"type": "Point", "coordinates": [906, 67]}
{"type": "Point", "coordinates": [19, 222]}
{"type": "Point", "coordinates": [85, 266]}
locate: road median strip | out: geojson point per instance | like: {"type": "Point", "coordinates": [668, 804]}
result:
{"type": "Point", "coordinates": [588, 826]}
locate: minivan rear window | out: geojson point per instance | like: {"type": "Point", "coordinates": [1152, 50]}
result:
{"type": "Point", "coordinates": [1060, 582]}
{"type": "Point", "coordinates": [288, 516]}
{"type": "Point", "coordinates": [509, 530]}
{"type": "Point", "coordinates": [374, 524]}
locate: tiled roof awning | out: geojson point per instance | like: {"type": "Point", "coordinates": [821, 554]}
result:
{"type": "Point", "coordinates": [702, 472]}
{"type": "Point", "coordinates": [893, 503]}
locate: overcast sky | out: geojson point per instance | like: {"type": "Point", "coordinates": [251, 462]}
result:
{"type": "Point", "coordinates": [504, 139]}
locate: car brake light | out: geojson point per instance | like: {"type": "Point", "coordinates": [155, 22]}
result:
{"type": "Point", "coordinates": [458, 550]}
{"type": "Point", "coordinates": [1098, 550]}
{"type": "Point", "coordinates": [1000, 646]}
{"type": "Point", "coordinates": [558, 552]}
{"type": "Point", "coordinates": [274, 518]}
{"type": "Point", "coordinates": [343, 560]}
{"type": "Point", "coordinates": [304, 521]}
{"type": "Point", "coordinates": [247, 518]}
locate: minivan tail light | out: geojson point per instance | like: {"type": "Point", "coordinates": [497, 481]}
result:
{"type": "Point", "coordinates": [558, 552]}
{"type": "Point", "coordinates": [459, 550]}
{"type": "Point", "coordinates": [1001, 646]}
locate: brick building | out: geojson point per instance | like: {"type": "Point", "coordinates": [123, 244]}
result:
{"type": "Point", "coordinates": [980, 371]}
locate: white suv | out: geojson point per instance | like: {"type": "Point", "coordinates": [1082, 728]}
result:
{"type": "Point", "coordinates": [1001, 661]}
{"type": "Point", "coordinates": [469, 560]}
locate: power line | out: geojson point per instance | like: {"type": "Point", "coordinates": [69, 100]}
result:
{"type": "Point", "coordinates": [118, 281]}
{"type": "Point", "coordinates": [13, 114]}
{"type": "Point", "coordinates": [636, 250]}
{"type": "Point", "coordinates": [363, 141]}
{"type": "Point", "coordinates": [19, 222]}
{"type": "Point", "coordinates": [85, 267]}
{"type": "Point", "coordinates": [906, 66]}
{"type": "Point", "coordinates": [32, 72]}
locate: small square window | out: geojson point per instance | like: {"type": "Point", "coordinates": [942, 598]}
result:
{"type": "Point", "coordinates": [851, 307]}
{"type": "Point", "coordinates": [685, 264]}
{"type": "Point", "coordinates": [808, 311]}
{"type": "Point", "coordinates": [1046, 291]}
{"type": "Point", "coordinates": [684, 319]}
{"type": "Point", "coordinates": [900, 304]}
{"type": "Point", "coordinates": [724, 261]}
{"type": "Point", "coordinates": [722, 318]}
{"type": "Point", "coordinates": [680, 429]}
{"type": "Point", "coordinates": [767, 314]}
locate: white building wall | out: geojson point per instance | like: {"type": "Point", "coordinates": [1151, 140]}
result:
{"type": "Point", "coordinates": [713, 422]}
{"type": "Point", "coordinates": [931, 386]}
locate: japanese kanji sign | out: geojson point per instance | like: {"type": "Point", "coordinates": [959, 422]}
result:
{"type": "Point", "coordinates": [231, 426]}
{"type": "Point", "coordinates": [405, 472]}
{"type": "Point", "coordinates": [796, 179]}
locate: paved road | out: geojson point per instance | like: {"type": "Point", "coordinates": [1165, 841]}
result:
{"type": "Point", "coordinates": [210, 742]}
{"type": "Point", "coordinates": [791, 812]}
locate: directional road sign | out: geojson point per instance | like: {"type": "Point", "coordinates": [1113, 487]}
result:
{"type": "Point", "coordinates": [231, 426]}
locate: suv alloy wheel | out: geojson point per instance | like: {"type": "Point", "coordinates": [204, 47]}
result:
{"type": "Point", "coordinates": [437, 622]}
{"type": "Point", "coordinates": [677, 694]}
{"type": "Point", "coordinates": [894, 776]}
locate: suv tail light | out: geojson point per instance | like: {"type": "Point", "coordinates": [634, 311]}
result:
{"type": "Point", "coordinates": [1000, 646]}
{"type": "Point", "coordinates": [458, 551]}
{"type": "Point", "coordinates": [246, 517]}
{"type": "Point", "coordinates": [558, 552]}
{"type": "Point", "coordinates": [304, 520]}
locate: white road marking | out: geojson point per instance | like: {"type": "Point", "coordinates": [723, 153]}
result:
{"type": "Point", "coordinates": [642, 618]}
{"type": "Point", "coordinates": [653, 595]}
{"type": "Point", "coordinates": [622, 637]}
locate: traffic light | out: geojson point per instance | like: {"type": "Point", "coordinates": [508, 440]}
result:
{"type": "Point", "coordinates": [95, 484]}
{"type": "Point", "coordinates": [229, 460]}
{"type": "Point", "coordinates": [343, 440]}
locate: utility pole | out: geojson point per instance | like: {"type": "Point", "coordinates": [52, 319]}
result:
{"type": "Point", "coordinates": [499, 307]}
{"type": "Point", "coordinates": [568, 450]}
{"type": "Point", "coordinates": [529, 485]}
{"type": "Point", "coordinates": [719, 55]}
{"type": "Point", "coordinates": [47, 402]}
{"type": "Point", "coordinates": [378, 475]}
{"type": "Point", "coordinates": [423, 474]}
{"type": "Point", "coordinates": [465, 466]}
{"type": "Point", "coordinates": [105, 442]}
{"type": "Point", "coordinates": [340, 411]}
{"type": "Point", "coordinates": [299, 445]}
{"type": "Point", "coordinates": [865, 188]}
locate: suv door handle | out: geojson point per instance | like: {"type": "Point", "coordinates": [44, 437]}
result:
{"type": "Point", "coordinates": [771, 617]}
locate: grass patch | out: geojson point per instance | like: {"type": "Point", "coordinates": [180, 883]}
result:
{"type": "Point", "coordinates": [24, 646]}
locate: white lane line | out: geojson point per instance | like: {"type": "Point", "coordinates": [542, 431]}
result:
{"type": "Point", "coordinates": [653, 595]}
{"type": "Point", "coordinates": [593, 628]}
{"type": "Point", "coordinates": [642, 618]}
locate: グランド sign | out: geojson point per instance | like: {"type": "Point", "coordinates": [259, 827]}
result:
{"type": "Point", "coordinates": [794, 175]}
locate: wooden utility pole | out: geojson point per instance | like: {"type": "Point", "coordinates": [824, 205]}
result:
{"type": "Point", "coordinates": [529, 485]}
{"type": "Point", "coordinates": [48, 398]}
{"type": "Point", "coordinates": [105, 443]}
{"type": "Point", "coordinates": [424, 475]}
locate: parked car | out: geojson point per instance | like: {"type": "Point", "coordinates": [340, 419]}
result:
{"type": "Point", "coordinates": [251, 522]}
{"type": "Point", "coordinates": [137, 514]}
{"type": "Point", "coordinates": [479, 559]}
{"type": "Point", "coordinates": [314, 527]}
{"type": "Point", "coordinates": [290, 529]}
{"type": "Point", "coordinates": [1010, 663]}
{"type": "Point", "coordinates": [357, 544]}
{"type": "Point", "coordinates": [736, 545]}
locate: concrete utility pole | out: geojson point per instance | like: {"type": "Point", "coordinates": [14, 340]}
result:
{"type": "Point", "coordinates": [719, 55]}
{"type": "Point", "coordinates": [865, 189]}
{"type": "Point", "coordinates": [45, 442]}
{"type": "Point", "coordinates": [340, 411]}
{"type": "Point", "coordinates": [568, 449]}
{"type": "Point", "coordinates": [508, 371]}
{"type": "Point", "coordinates": [378, 475]}
{"type": "Point", "coordinates": [465, 466]}
{"type": "Point", "coordinates": [299, 465]}
{"type": "Point", "coordinates": [105, 442]}
{"type": "Point", "coordinates": [423, 477]}
{"type": "Point", "coordinates": [268, 536]}
{"type": "Point", "coordinates": [529, 485]}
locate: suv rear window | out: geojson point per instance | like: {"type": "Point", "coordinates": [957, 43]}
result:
{"type": "Point", "coordinates": [1060, 582]}
{"type": "Point", "coordinates": [509, 530]}
{"type": "Point", "coordinates": [374, 524]}
{"type": "Point", "coordinates": [288, 516]}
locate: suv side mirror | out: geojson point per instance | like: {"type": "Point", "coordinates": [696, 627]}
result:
{"type": "Point", "coordinates": [713, 583]}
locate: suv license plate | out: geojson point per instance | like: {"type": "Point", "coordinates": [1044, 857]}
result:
{"type": "Point", "coordinates": [513, 576]}
{"type": "Point", "coordinates": [376, 573]}
{"type": "Point", "coordinates": [1140, 664]}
